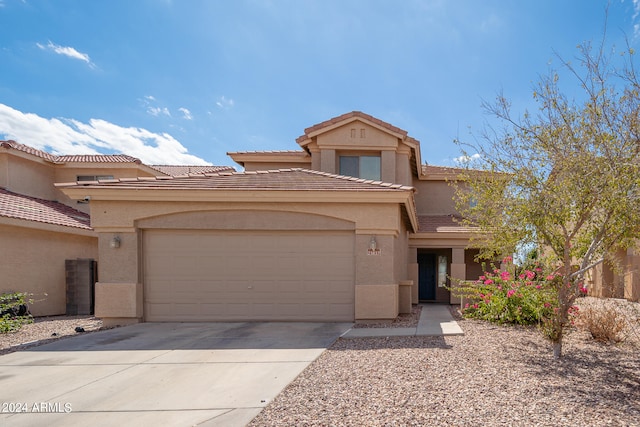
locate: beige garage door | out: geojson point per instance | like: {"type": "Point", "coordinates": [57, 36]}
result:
{"type": "Point", "coordinates": [196, 275]}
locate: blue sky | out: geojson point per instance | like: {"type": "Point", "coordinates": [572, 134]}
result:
{"type": "Point", "coordinates": [184, 82]}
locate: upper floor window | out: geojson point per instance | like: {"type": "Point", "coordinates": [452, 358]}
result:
{"type": "Point", "coordinates": [366, 167]}
{"type": "Point", "coordinates": [93, 177]}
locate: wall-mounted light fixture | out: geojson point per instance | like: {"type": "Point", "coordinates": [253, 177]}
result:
{"type": "Point", "coordinates": [373, 247]}
{"type": "Point", "coordinates": [115, 242]}
{"type": "Point", "coordinates": [373, 244]}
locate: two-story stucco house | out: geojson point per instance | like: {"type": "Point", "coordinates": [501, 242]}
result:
{"type": "Point", "coordinates": [351, 226]}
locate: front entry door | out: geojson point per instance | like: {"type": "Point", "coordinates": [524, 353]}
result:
{"type": "Point", "coordinates": [427, 277]}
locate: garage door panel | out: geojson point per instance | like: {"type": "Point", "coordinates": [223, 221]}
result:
{"type": "Point", "coordinates": [209, 275]}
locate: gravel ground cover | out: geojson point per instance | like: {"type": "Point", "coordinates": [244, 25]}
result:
{"type": "Point", "coordinates": [47, 329]}
{"type": "Point", "coordinates": [491, 376]}
{"type": "Point", "coordinates": [409, 320]}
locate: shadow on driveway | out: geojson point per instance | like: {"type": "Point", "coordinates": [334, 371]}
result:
{"type": "Point", "coordinates": [206, 374]}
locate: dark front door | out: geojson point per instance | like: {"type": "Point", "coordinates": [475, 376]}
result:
{"type": "Point", "coordinates": [426, 277]}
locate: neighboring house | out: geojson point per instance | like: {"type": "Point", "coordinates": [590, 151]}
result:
{"type": "Point", "coordinates": [622, 281]}
{"type": "Point", "coordinates": [351, 226]}
{"type": "Point", "coordinates": [40, 227]}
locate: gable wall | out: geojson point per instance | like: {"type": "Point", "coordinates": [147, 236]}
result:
{"type": "Point", "coordinates": [28, 177]}
{"type": "Point", "coordinates": [360, 139]}
{"type": "Point", "coordinates": [350, 136]}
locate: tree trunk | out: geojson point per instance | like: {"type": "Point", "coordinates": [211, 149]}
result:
{"type": "Point", "coordinates": [557, 348]}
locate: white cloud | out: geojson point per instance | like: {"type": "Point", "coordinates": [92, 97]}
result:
{"type": "Point", "coordinates": [463, 160]}
{"type": "Point", "coordinates": [67, 51]}
{"type": "Point", "coordinates": [157, 111]}
{"type": "Point", "coordinates": [186, 114]}
{"type": "Point", "coordinates": [224, 103]}
{"type": "Point", "coordinates": [149, 102]}
{"type": "Point", "coordinates": [634, 17]}
{"type": "Point", "coordinates": [68, 136]}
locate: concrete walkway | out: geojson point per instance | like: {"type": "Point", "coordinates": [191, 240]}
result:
{"type": "Point", "coordinates": [435, 321]}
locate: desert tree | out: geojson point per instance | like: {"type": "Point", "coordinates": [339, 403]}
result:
{"type": "Point", "coordinates": [564, 179]}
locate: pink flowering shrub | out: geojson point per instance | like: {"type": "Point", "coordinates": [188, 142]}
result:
{"type": "Point", "coordinates": [510, 296]}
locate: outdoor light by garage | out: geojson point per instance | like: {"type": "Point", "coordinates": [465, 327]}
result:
{"type": "Point", "coordinates": [373, 247]}
{"type": "Point", "coordinates": [115, 242]}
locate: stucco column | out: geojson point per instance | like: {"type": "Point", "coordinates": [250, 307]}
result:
{"type": "Point", "coordinates": [412, 273]}
{"type": "Point", "coordinates": [377, 294]}
{"type": "Point", "coordinates": [388, 166]}
{"type": "Point", "coordinates": [403, 169]}
{"type": "Point", "coordinates": [315, 159]}
{"type": "Point", "coordinates": [328, 161]}
{"type": "Point", "coordinates": [458, 270]}
{"type": "Point", "coordinates": [118, 297]}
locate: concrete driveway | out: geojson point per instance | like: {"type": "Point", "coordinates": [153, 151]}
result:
{"type": "Point", "coordinates": [173, 374]}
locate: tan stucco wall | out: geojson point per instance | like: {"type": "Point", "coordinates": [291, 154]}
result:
{"type": "Point", "coordinates": [4, 170]}
{"type": "Point", "coordinates": [118, 300]}
{"type": "Point", "coordinates": [376, 302]}
{"type": "Point", "coordinates": [33, 261]}
{"type": "Point", "coordinates": [358, 139]}
{"type": "Point", "coordinates": [31, 178]}
{"type": "Point", "coordinates": [474, 268]}
{"type": "Point", "coordinates": [404, 175]}
{"type": "Point", "coordinates": [607, 281]}
{"type": "Point", "coordinates": [434, 198]}
{"type": "Point", "coordinates": [632, 275]}
{"type": "Point", "coordinates": [401, 254]}
{"type": "Point", "coordinates": [366, 216]}
{"type": "Point", "coordinates": [373, 139]}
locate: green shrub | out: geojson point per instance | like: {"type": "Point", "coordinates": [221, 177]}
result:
{"type": "Point", "coordinates": [510, 296]}
{"type": "Point", "coordinates": [14, 315]}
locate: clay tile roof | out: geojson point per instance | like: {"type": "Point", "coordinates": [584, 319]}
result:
{"type": "Point", "coordinates": [18, 206]}
{"type": "Point", "coordinates": [175, 170]}
{"type": "Point", "coordinates": [295, 179]}
{"type": "Point", "coordinates": [29, 150]}
{"type": "Point", "coordinates": [427, 169]}
{"type": "Point", "coordinates": [347, 116]}
{"type": "Point", "coordinates": [440, 223]}
{"type": "Point", "coordinates": [98, 158]}
{"type": "Point", "coordinates": [280, 152]}
{"type": "Point", "coordinates": [111, 158]}
{"type": "Point", "coordinates": [84, 158]}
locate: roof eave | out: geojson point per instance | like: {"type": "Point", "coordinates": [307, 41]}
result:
{"type": "Point", "coordinates": [96, 193]}
{"type": "Point", "coordinates": [44, 226]}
